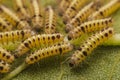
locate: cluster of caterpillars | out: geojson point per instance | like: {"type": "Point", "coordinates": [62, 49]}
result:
{"type": "Point", "coordinates": [28, 21]}
{"type": "Point", "coordinates": [80, 19]}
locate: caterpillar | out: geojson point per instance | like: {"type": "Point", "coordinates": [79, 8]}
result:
{"type": "Point", "coordinates": [6, 56]}
{"type": "Point", "coordinates": [60, 48]}
{"type": "Point", "coordinates": [5, 25]}
{"type": "Point", "coordinates": [21, 9]}
{"type": "Point", "coordinates": [4, 67]}
{"type": "Point", "coordinates": [50, 21]}
{"type": "Point", "coordinates": [12, 36]}
{"type": "Point", "coordinates": [90, 26]}
{"type": "Point", "coordinates": [64, 4]}
{"type": "Point", "coordinates": [106, 10]}
{"type": "Point", "coordinates": [37, 17]}
{"type": "Point", "coordinates": [37, 41]}
{"type": "Point", "coordinates": [13, 18]}
{"type": "Point", "coordinates": [82, 15]}
{"type": "Point", "coordinates": [88, 46]}
{"type": "Point", "coordinates": [72, 10]}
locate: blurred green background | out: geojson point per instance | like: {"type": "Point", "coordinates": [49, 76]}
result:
{"type": "Point", "coordinates": [101, 65]}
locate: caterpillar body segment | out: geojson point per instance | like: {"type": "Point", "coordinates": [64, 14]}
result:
{"type": "Point", "coordinates": [90, 26]}
{"type": "Point", "coordinates": [60, 48]}
{"type": "Point", "coordinates": [37, 41]}
{"type": "Point", "coordinates": [5, 25]}
{"type": "Point", "coordinates": [88, 46]}
{"type": "Point", "coordinates": [82, 15]}
{"type": "Point", "coordinates": [6, 56]}
{"type": "Point", "coordinates": [73, 9]}
{"type": "Point", "coordinates": [37, 16]}
{"type": "Point", "coordinates": [4, 67]}
{"type": "Point", "coordinates": [12, 36]}
{"type": "Point", "coordinates": [106, 10]}
{"type": "Point", "coordinates": [50, 21]}
{"type": "Point", "coordinates": [64, 4]}
{"type": "Point", "coordinates": [13, 18]}
{"type": "Point", "coordinates": [22, 9]}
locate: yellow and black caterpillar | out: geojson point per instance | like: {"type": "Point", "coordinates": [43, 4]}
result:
{"type": "Point", "coordinates": [64, 4]}
{"type": "Point", "coordinates": [90, 26]}
{"type": "Point", "coordinates": [72, 10]}
{"type": "Point", "coordinates": [6, 56]}
{"type": "Point", "coordinates": [106, 10]}
{"type": "Point", "coordinates": [50, 21]}
{"type": "Point", "coordinates": [13, 18]}
{"type": "Point", "coordinates": [37, 41]}
{"type": "Point", "coordinates": [56, 49]}
{"type": "Point", "coordinates": [4, 67]}
{"type": "Point", "coordinates": [37, 17]}
{"type": "Point", "coordinates": [82, 15]}
{"type": "Point", "coordinates": [5, 25]}
{"type": "Point", "coordinates": [21, 9]}
{"type": "Point", "coordinates": [88, 46]}
{"type": "Point", "coordinates": [12, 36]}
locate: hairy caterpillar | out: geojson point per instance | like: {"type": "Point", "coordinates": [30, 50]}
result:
{"type": "Point", "coordinates": [6, 56]}
{"type": "Point", "coordinates": [64, 4]}
{"type": "Point", "coordinates": [4, 67]}
{"type": "Point", "coordinates": [106, 10]}
{"type": "Point", "coordinates": [37, 17]}
{"type": "Point", "coordinates": [82, 15]}
{"type": "Point", "coordinates": [21, 9]}
{"type": "Point", "coordinates": [88, 46]}
{"type": "Point", "coordinates": [12, 36]}
{"type": "Point", "coordinates": [50, 21]}
{"type": "Point", "coordinates": [90, 26]}
{"type": "Point", "coordinates": [37, 41]}
{"type": "Point", "coordinates": [72, 10]}
{"type": "Point", "coordinates": [56, 49]}
{"type": "Point", "coordinates": [5, 25]}
{"type": "Point", "coordinates": [13, 18]}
